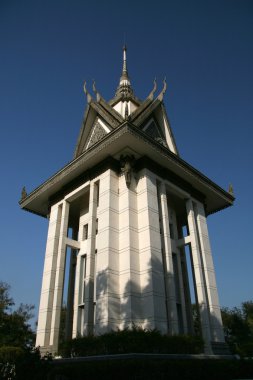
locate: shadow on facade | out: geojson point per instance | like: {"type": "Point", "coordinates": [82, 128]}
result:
{"type": "Point", "coordinates": [144, 300]}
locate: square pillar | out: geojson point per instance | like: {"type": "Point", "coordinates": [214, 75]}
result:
{"type": "Point", "coordinates": [106, 291]}
{"type": "Point", "coordinates": [168, 268]}
{"type": "Point", "coordinates": [129, 266]}
{"type": "Point", "coordinates": [48, 281]}
{"type": "Point", "coordinates": [90, 263]}
{"type": "Point", "coordinates": [151, 260]}
{"type": "Point", "coordinates": [199, 277]}
{"type": "Point", "coordinates": [209, 273]}
{"type": "Point", "coordinates": [59, 279]}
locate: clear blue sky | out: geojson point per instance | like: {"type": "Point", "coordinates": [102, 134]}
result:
{"type": "Point", "coordinates": [48, 48]}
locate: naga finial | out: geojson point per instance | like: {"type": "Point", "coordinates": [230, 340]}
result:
{"type": "Point", "coordinates": [89, 98]}
{"type": "Point", "coordinates": [151, 95]}
{"type": "Point", "coordinates": [98, 96]}
{"type": "Point", "coordinates": [23, 193]}
{"type": "Point", "coordinates": [230, 189]}
{"type": "Point", "coordinates": [160, 97]}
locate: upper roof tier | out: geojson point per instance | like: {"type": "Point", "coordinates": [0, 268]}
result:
{"type": "Point", "coordinates": [102, 117]}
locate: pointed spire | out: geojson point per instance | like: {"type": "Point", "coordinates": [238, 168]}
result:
{"type": "Point", "coordinates": [124, 87]}
{"type": "Point", "coordinates": [124, 71]}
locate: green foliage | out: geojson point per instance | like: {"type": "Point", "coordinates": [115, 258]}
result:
{"type": "Point", "coordinates": [5, 301]}
{"type": "Point", "coordinates": [10, 354]}
{"type": "Point", "coordinates": [128, 341]}
{"type": "Point", "coordinates": [16, 338]}
{"type": "Point", "coordinates": [15, 330]}
{"type": "Point", "coordinates": [238, 328]}
{"type": "Point", "coordinates": [23, 364]}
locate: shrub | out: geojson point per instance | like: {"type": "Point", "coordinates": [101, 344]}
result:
{"type": "Point", "coordinates": [10, 354]}
{"type": "Point", "coordinates": [22, 364]}
{"type": "Point", "coordinates": [136, 340]}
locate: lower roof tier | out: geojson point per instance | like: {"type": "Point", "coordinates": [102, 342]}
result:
{"type": "Point", "coordinates": [127, 139]}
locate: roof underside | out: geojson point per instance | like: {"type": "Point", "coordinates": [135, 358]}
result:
{"type": "Point", "coordinates": [128, 137]}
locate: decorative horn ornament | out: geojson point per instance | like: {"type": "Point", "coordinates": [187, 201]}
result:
{"type": "Point", "coordinates": [98, 96]}
{"type": "Point", "coordinates": [89, 98]}
{"type": "Point", "coordinates": [23, 193]}
{"type": "Point", "coordinates": [160, 96]}
{"type": "Point", "coordinates": [231, 189]}
{"type": "Point", "coordinates": [152, 93]}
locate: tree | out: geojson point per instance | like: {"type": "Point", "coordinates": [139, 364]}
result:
{"type": "Point", "coordinates": [15, 330]}
{"type": "Point", "coordinates": [247, 310]}
{"type": "Point", "coordinates": [238, 328]}
{"type": "Point", "coordinates": [5, 301]}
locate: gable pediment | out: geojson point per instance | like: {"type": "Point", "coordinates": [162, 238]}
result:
{"type": "Point", "coordinates": [98, 131]}
{"type": "Point", "coordinates": [91, 132]}
{"type": "Point", "coordinates": [152, 129]}
{"type": "Point", "coordinates": [160, 128]}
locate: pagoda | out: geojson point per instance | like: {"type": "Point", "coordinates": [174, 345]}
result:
{"type": "Point", "coordinates": [127, 228]}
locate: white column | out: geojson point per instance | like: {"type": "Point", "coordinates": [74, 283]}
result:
{"type": "Point", "coordinates": [47, 290]}
{"type": "Point", "coordinates": [199, 278]}
{"type": "Point", "coordinates": [76, 312]}
{"type": "Point", "coordinates": [70, 299]}
{"type": "Point", "coordinates": [107, 259]}
{"type": "Point", "coordinates": [59, 279]}
{"type": "Point", "coordinates": [187, 306]}
{"type": "Point", "coordinates": [168, 270]}
{"type": "Point", "coordinates": [213, 299]}
{"type": "Point", "coordinates": [90, 262]}
{"type": "Point", "coordinates": [151, 262]}
{"type": "Point", "coordinates": [129, 284]}
{"type": "Point", "coordinates": [81, 261]}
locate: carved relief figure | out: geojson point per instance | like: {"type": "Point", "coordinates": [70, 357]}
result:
{"type": "Point", "coordinates": [127, 164]}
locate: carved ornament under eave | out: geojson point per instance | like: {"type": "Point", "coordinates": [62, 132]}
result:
{"type": "Point", "coordinates": [127, 166]}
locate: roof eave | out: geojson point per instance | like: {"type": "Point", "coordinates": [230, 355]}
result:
{"type": "Point", "coordinates": [110, 145]}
